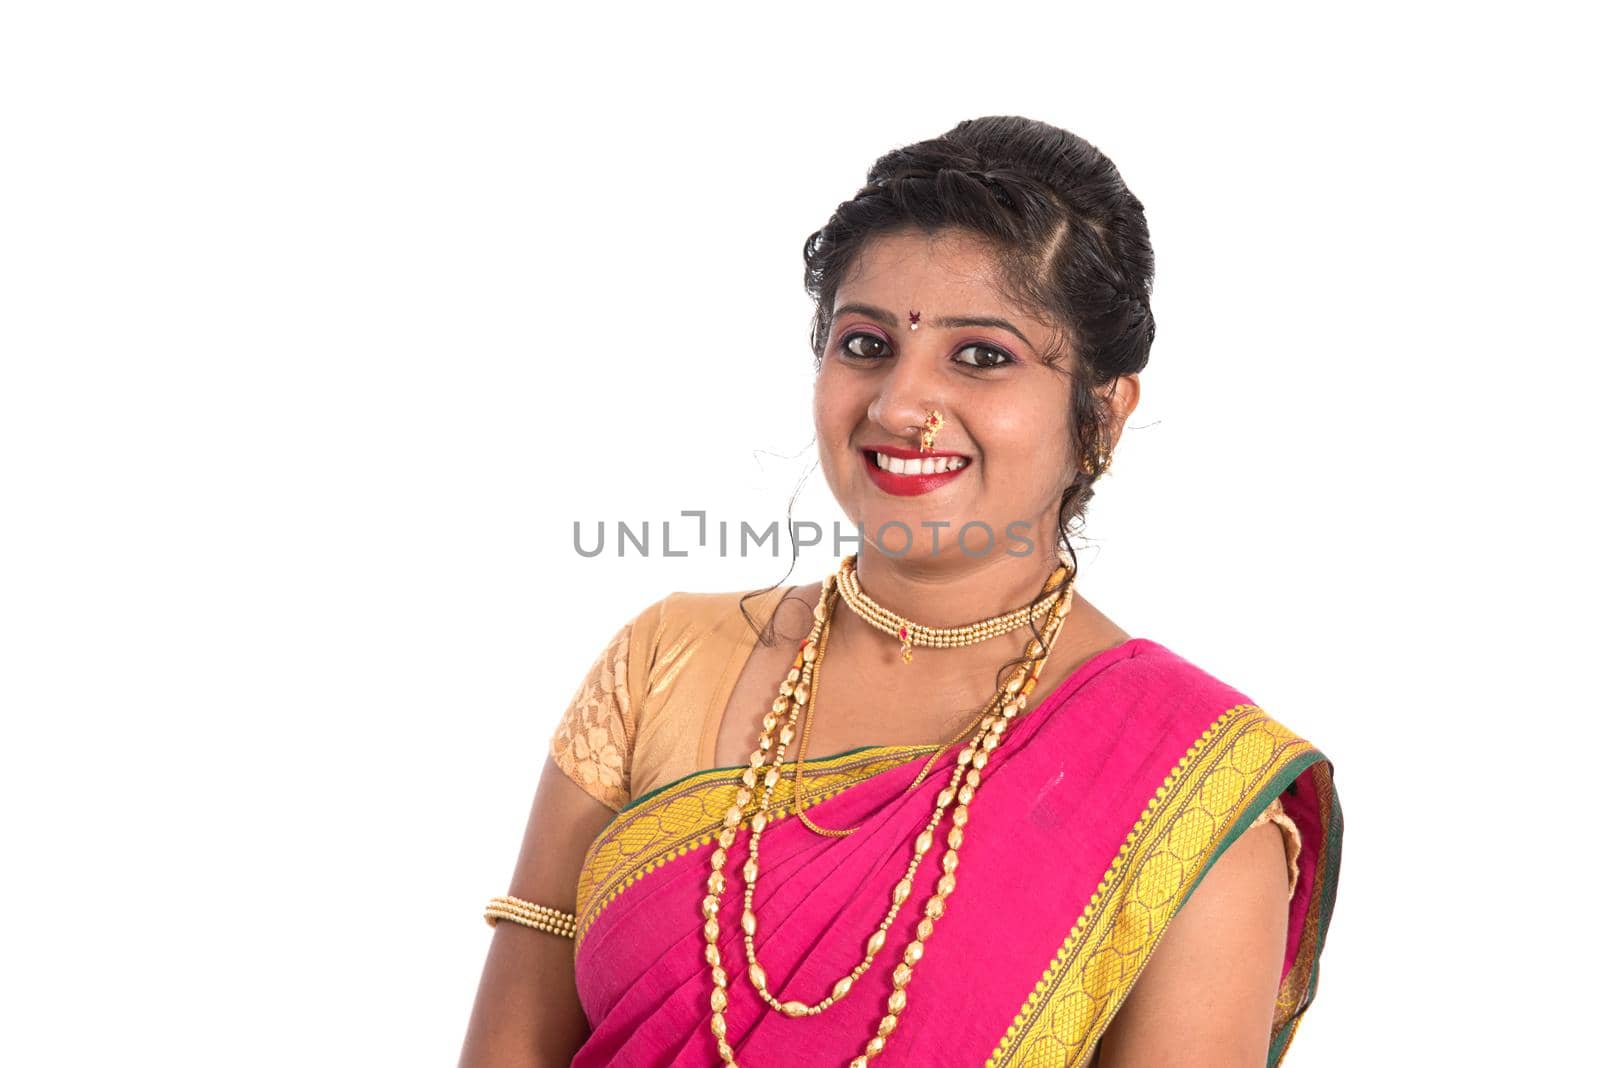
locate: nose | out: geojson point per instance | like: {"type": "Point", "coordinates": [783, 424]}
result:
{"type": "Point", "coordinates": [905, 396]}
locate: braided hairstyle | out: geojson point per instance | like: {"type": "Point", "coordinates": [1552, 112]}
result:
{"type": "Point", "coordinates": [1069, 238]}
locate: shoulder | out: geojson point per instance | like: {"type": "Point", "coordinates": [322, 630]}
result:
{"type": "Point", "coordinates": [1175, 696]}
{"type": "Point", "coordinates": [1222, 754]}
{"type": "Point", "coordinates": [684, 614]}
{"type": "Point", "coordinates": [703, 626]}
{"type": "Point", "coordinates": [1241, 764]}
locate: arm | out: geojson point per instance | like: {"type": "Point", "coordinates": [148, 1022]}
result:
{"type": "Point", "coordinates": [1206, 997]}
{"type": "Point", "coordinates": [527, 1013]}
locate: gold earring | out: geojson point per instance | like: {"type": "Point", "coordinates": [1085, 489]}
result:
{"type": "Point", "coordinates": [930, 426]}
{"type": "Point", "coordinates": [1101, 462]}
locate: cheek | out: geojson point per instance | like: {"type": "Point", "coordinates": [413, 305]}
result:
{"type": "Point", "coordinates": [1023, 428]}
{"type": "Point", "coordinates": [835, 418]}
{"type": "Point", "coordinates": [1026, 449]}
{"type": "Point", "coordinates": [834, 407]}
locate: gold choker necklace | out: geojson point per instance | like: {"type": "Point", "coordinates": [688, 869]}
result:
{"type": "Point", "coordinates": [910, 633]}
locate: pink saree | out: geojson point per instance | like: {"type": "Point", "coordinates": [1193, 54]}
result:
{"type": "Point", "coordinates": [1098, 815]}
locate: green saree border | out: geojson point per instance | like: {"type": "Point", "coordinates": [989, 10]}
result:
{"type": "Point", "coordinates": [648, 794]}
{"type": "Point", "coordinates": [681, 816]}
{"type": "Point", "coordinates": [1295, 995]}
{"type": "Point", "coordinates": [1151, 877]}
{"type": "Point", "coordinates": [1332, 818]}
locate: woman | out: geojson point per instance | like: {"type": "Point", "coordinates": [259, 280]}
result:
{"type": "Point", "coordinates": [1030, 839]}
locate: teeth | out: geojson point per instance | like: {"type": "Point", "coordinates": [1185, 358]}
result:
{"type": "Point", "coordinates": [926, 466]}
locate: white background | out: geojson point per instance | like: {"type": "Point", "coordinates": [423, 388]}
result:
{"type": "Point", "coordinates": [323, 322]}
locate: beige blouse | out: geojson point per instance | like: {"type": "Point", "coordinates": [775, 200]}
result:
{"type": "Point", "coordinates": [649, 710]}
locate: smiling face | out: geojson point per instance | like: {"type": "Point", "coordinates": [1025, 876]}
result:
{"type": "Point", "coordinates": [978, 359]}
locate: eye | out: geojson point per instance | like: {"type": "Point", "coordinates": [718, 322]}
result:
{"type": "Point", "coordinates": [865, 346]}
{"type": "Point", "coordinates": [984, 356]}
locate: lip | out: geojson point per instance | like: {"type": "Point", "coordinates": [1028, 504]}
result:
{"type": "Point", "coordinates": [909, 485]}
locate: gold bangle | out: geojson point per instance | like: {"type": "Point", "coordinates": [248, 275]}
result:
{"type": "Point", "coordinates": [529, 914]}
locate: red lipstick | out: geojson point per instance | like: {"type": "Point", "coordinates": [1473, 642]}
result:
{"type": "Point", "coordinates": [909, 485]}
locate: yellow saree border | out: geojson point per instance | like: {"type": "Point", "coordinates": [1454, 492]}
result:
{"type": "Point", "coordinates": [1230, 773]}
{"type": "Point", "coordinates": [679, 817]}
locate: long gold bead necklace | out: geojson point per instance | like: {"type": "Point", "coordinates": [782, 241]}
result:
{"type": "Point", "coordinates": [793, 694]}
{"type": "Point", "coordinates": [801, 795]}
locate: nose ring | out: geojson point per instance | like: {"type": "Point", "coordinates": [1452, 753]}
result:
{"type": "Point", "coordinates": [930, 426]}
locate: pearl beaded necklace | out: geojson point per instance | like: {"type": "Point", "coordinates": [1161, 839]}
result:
{"type": "Point", "coordinates": [911, 633]}
{"type": "Point", "coordinates": [793, 694]}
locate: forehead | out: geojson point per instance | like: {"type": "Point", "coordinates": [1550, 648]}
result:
{"type": "Point", "coordinates": [951, 272]}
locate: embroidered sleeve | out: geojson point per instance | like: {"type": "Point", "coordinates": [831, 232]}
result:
{"type": "Point", "coordinates": [1291, 837]}
{"type": "Point", "coordinates": [593, 744]}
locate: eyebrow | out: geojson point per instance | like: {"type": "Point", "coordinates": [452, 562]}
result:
{"type": "Point", "coordinates": [887, 319]}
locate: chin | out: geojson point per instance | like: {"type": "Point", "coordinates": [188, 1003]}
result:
{"type": "Point", "coordinates": [921, 542]}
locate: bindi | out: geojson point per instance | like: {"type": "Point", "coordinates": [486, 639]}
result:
{"type": "Point", "coordinates": [916, 317]}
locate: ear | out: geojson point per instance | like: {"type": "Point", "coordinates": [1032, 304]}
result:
{"type": "Point", "coordinates": [1122, 394]}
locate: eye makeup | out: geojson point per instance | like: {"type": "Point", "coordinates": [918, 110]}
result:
{"type": "Point", "coordinates": [852, 340]}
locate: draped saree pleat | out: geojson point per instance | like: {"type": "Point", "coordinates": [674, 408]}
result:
{"type": "Point", "coordinates": [1097, 816]}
